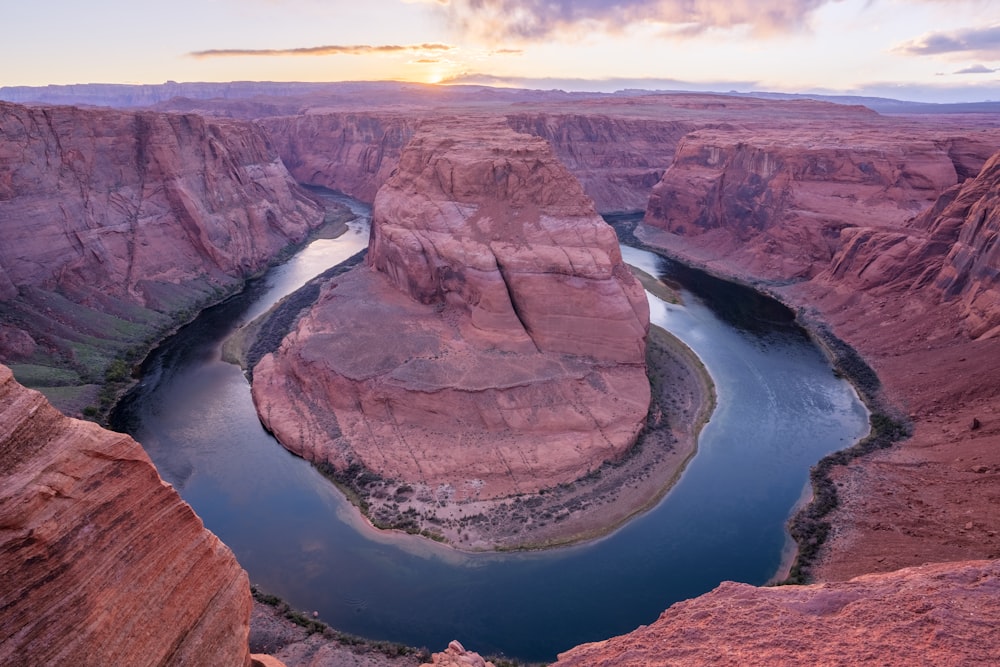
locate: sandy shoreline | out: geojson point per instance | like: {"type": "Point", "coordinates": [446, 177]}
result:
{"type": "Point", "coordinates": [591, 507]}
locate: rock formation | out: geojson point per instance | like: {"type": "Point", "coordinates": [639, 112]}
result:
{"type": "Point", "coordinates": [777, 206]}
{"type": "Point", "coordinates": [114, 222]}
{"type": "Point", "coordinates": [943, 614]}
{"type": "Point", "coordinates": [495, 343]}
{"type": "Point", "coordinates": [616, 160]}
{"type": "Point", "coordinates": [914, 292]}
{"type": "Point", "coordinates": [354, 153]}
{"type": "Point", "coordinates": [103, 563]}
{"type": "Point", "coordinates": [456, 655]}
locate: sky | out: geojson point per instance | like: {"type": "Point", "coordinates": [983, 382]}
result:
{"type": "Point", "coordinates": [924, 50]}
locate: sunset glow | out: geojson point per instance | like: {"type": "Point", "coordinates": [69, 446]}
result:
{"type": "Point", "coordinates": [923, 49]}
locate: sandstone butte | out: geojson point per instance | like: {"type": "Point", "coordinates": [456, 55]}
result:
{"type": "Point", "coordinates": [103, 563]}
{"type": "Point", "coordinates": [492, 345]}
{"type": "Point", "coordinates": [115, 223]}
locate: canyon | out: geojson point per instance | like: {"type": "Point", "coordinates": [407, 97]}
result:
{"type": "Point", "coordinates": [117, 225]}
{"type": "Point", "coordinates": [90, 579]}
{"type": "Point", "coordinates": [880, 228]}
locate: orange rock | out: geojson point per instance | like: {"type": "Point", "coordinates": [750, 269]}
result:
{"type": "Point", "coordinates": [122, 211]}
{"type": "Point", "coordinates": [103, 563]}
{"type": "Point", "coordinates": [498, 345]}
{"type": "Point", "coordinates": [943, 614]}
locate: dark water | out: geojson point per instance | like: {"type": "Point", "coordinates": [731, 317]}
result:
{"type": "Point", "coordinates": [780, 410]}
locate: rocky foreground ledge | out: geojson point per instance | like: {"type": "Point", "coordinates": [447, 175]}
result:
{"type": "Point", "coordinates": [103, 563]}
{"type": "Point", "coordinates": [942, 614]}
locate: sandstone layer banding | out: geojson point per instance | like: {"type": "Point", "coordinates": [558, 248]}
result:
{"type": "Point", "coordinates": [116, 224]}
{"type": "Point", "coordinates": [103, 563]}
{"type": "Point", "coordinates": [493, 345]}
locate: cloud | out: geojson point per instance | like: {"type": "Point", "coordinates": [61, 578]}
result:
{"type": "Point", "coordinates": [981, 42]}
{"type": "Point", "coordinates": [328, 50]}
{"type": "Point", "coordinates": [537, 19]}
{"type": "Point", "coordinates": [977, 69]}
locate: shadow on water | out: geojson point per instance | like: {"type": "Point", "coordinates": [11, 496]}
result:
{"type": "Point", "coordinates": [780, 409]}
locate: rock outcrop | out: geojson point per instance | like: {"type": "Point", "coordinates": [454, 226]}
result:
{"type": "Point", "coordinates": [777, 205]}
{"type": "Point", "coordinates": [942, 614]}
{"type": "Point", "coordinates": [916, 296]}
{"type": "Point", "coordinates": [456, 655]}
{"type": "Point", "coordinates": [115, 222]}
{"type": "Point", "coordinates": [103, 563]}
{"type": "Point", "coordinates": [493, 345]}
{"type": "Point", "coordinates": [616, 160]}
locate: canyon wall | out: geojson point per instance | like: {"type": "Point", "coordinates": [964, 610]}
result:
{"type": "Point", "coordinates": [493, 345]}
{"type": "Point", "coordinates": [103, 563]}
{"type": "Point", "coordinates": [354, 153]}
{"type": "Point", "coordinates": [778, 204]}
{"type": "Point", "coordinates": [115, 223]}
{"type": "Point", "coordinates": [617, 160]}
{"type": "Point", "coordinates": [896, 255]}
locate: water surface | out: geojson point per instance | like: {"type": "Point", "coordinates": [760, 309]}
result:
{"type": "Point", "coordinates": [780, 409]}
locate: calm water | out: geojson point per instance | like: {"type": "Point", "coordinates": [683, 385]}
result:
{"type": "Point", "coordinates": [780, 410]}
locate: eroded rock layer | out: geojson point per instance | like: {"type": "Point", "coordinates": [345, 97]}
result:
{"type": "Point", "coordinates": [916, 295]}
{"type": "Point", "coordinates": [115, 222]}
{"type": "Point", "coordinates": [943, 614]}
{"type": "Point", "coordinates": [493, 345]}
{"type": "Point", "coordinates": [103, 563]}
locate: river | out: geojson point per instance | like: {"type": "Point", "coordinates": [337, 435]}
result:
{"type": "Point", "coordinates": [780, 409]}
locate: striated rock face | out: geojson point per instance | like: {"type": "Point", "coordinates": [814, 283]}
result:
{"type": "Point", "coordinates": [493, 345]}
{"type": "Point", "coordinates": [103, 563]}
{"type": "Point", "coordinates": [971, 271]}
{"type": "Point", "coordinates": [943, 614]}
{"type": "Point", "coordinates": [114, 222]}
{"type": "Point", "coordinates": [617, 160]}
{"type": "Point", "coordinates": [781, 206]}
{"type": "Point", "coordinates": [120, 204]}
{"type": "Point", "coordinates": [353, 153]}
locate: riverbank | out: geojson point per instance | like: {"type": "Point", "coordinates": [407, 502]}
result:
{"type": "Point", "coordinates": [683, 399]}
{"type": "Point", "coordinates": [812, 524]}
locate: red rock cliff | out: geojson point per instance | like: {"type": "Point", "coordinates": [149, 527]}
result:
{"type": "Point", "coordinates": [112, 222]}
{"type": "Point", "coordinates": [916, 296]}
{"type": "Point", "coordinates": [776, 204]}
{"type": "Point", "coordinates": [103, 563]}
{"type": "Point", "coordinates": [495, 347]}
{"type": "Point", "coordinates": [617, 160]}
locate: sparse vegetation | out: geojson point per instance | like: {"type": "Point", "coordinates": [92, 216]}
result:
{"type": "Point", "coordinates": [314, 626]}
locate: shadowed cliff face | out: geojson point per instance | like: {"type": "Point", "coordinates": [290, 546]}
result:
{"type": "Point", "coordinates": [114, 223]}
{"type": "Point", "coordinates": [103, 563]}
{"type": "Point", "coordinates": [494, 344]}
